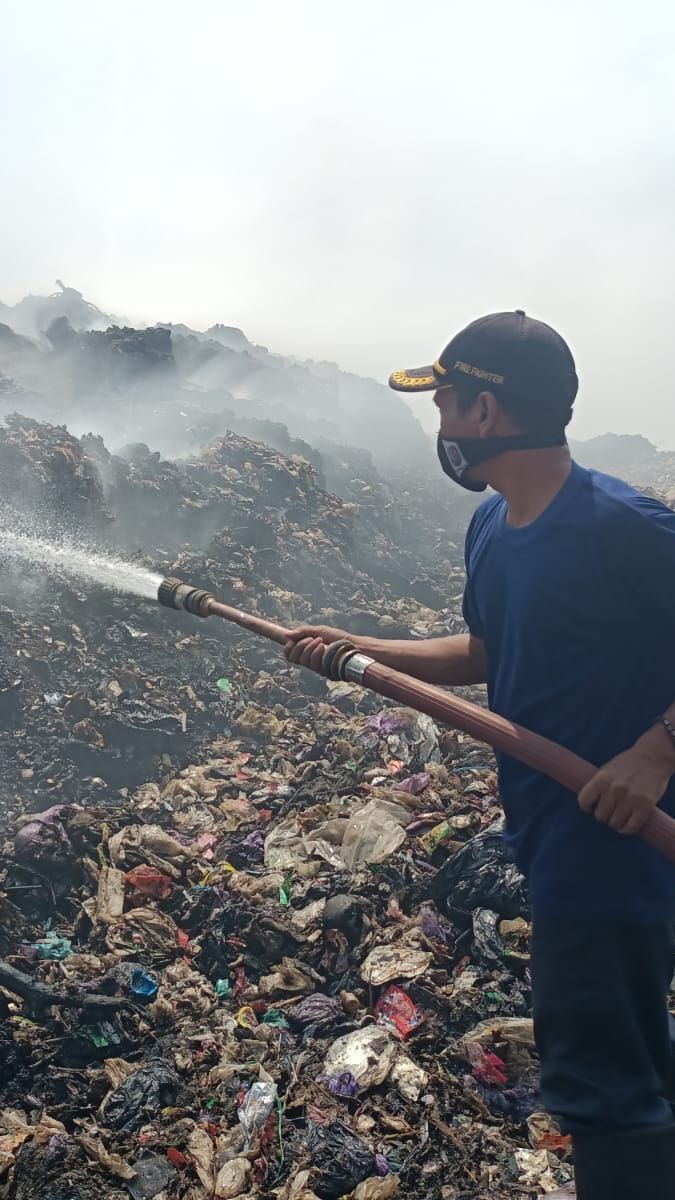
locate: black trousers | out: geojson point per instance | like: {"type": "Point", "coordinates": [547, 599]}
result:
{"type": "Point", "coordinates": [601, 1022]}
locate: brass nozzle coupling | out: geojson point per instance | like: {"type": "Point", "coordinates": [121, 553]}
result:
{"type": "Point", "coordinates": [174, 594]}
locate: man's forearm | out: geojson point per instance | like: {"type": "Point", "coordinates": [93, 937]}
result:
{"type": "Point", "coordinates": [455, 661]}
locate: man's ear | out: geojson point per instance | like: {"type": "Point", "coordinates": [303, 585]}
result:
{"type": "Point", "coordinates": [488, 413]}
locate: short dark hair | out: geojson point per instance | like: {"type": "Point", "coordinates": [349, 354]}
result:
{"type": "Point", "coordinates": [552, 417]}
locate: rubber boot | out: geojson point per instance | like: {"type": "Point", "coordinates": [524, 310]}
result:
{"type": "Point", "coordinates": [625, 1165]}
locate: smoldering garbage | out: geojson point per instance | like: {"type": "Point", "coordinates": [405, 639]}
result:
{"type": "Point", "coordinates": [259, 935]}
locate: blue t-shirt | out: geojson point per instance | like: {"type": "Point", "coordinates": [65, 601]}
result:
{"type": "Point", "coordinates": [577, 613]}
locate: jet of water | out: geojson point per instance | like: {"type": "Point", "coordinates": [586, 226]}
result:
{"type": "Point", "coordinates": [67, 559]}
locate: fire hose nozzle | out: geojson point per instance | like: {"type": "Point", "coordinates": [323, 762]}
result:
{"type": "Point", "coordinates": [174, 594]}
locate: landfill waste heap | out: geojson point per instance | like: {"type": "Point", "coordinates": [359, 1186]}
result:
{"type": "Point", "coordinates": [259, 934]}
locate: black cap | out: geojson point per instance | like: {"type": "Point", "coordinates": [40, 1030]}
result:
{"type": "Point", "coordinates": [508, 353]}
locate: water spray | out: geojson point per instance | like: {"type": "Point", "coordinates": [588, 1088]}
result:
{"type": "Point", "coordinates": [71, 560]}
{"type": "Point", "coordinates": [342, 660]}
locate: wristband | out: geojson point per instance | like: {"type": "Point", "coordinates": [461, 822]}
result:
{"type": "Point", "coordinates": [668, 727]}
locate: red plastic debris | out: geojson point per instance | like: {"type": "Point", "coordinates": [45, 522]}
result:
{"type": "Point", "coordinates": [176, 1157]}
{"type": "Point", "coordinates": [487, 1067]}
{"type": "Point", "coordinates": [149, 882]}
{"type": "Point", "coordinates": [554, 1141]}
{"type": "Point", "coordinates": [396, 1010]}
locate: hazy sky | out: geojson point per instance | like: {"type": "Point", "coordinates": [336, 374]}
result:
{"type": "Point", "coordinates": [355, 180]}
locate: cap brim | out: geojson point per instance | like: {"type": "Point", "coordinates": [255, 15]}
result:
{"type": "Point", "coordinates": [418, 379]}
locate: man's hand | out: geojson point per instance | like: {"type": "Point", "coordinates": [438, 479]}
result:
{"type": "Point", "coordinates": [624, 792]}
{"type": "Point", "coordinates": [306, 645]}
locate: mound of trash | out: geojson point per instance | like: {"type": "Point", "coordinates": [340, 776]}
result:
{"type": "Point", "coordinates": [297, 967]}
{"type": "Point", "coordinates": [78, 364]}
{"type": "Point", "coordinates": [259, 933]}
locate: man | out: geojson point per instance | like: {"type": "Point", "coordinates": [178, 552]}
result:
{"type": "Point", "coordinates": [570, 609]}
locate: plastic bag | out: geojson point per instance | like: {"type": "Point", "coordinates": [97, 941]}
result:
{"type": "Point", "coordinates": [386, 722]}
{"type": "Point", "coordinates": [144, 1092]}
{"type": "Point", "coordinates": [374, 833]}
{"type": "Point", "coordinates": [343, 1159]}
{"type": "Point", "coordinates": [516, 1103]}
{"type": "Point", "coordinates": [149, 882]}
{"type": "Point", "coordinates": [135, 842]}
{"type": "Point", "coordinates": [43, 837]}
{"type": "Point", "coordinates": [486, 1067]}
{"type": "Point", "coordinates": [248, 852]}
{"type": "Point", "coordinates": [152, 1175]}
{"type": "Point", "coordinates": [52, 946]}
{"type": "Point", "coordinates": [343, 1084]}
{"type": "Point", "coordinates": [414, 784]}
{"type": "Point", "coordinates": [366, 1054]}
{"type": "Point", "coordinates": [232, 1179]}
{"type": "Point", "coordinates": [535, 1169]}
{"type": "Point", "coordinates": [286, 846]}
{"type": "Point", "coordinates": [315, 1012]}
{"type": "Point", "coordinates": [377, 1189]}
{"type": "Point", "coordinates": [398, 961]}
{"type": "Point", "coordinates": [142, 983]}
{"type": "Point", "coordinates": [256, 1108]}
{"type": "Point", "coordinates": [417, 742]}
{"type": "Point", "coordinates": [489, 947]}
{"type": "Point", "coordinates": [480, 875]}
{"type": "Point", "coordinates": [517, 1031]}
{"type": "Point", "coordinates": [395, 1010]}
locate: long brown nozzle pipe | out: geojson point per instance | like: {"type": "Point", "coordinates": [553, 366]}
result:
{"type": "Point", "coordinates": [344, 661]}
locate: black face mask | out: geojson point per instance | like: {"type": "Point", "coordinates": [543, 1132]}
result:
{"type": "Point", "coordinates": [458, 455]}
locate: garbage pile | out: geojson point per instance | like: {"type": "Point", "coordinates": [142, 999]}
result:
{"type": "Point", "coordinates": [96, 371]}
{"type": "Point", "coordinates": [295, 968]}
{"type": "Point", "coordinates": [259, 935]}
{"type": "Point", "coordinates": [97, 686]}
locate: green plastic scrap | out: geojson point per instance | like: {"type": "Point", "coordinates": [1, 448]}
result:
{"type": "Point", "coordinates": [224, 686]}
{"type": "Point", "coordinates": [222, 987]}
{"type": "Point", "coordinates": [98, 1039]}
{"type": "Point", "coordinates": [53, 946]}
{"type": "Point", "coordinates": [276, 1018]}
{"type": "Point", "coordinates": [285, 890]}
